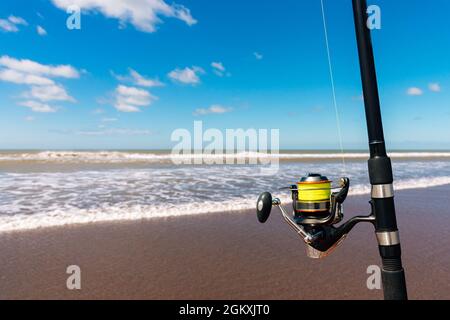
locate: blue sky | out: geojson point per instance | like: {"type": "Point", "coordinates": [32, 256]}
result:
{"type": "Point", "coordinates": [137, 71]}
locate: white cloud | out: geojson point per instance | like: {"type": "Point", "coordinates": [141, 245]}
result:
{"type": "Point", "coordinates": [18, 77]}
{"type": "Point", "coordinates": [130, 99]}
{"type": "Point", "coordinates": [144, 15]}
{"type": "Point", "coordinates": [41, 31]}
{"type": "Point", "coordinates": [29, 118]}
{"type": "Point", "coordinates": [7, 26]}
{"type": "Point", "coordinates": [32, 67]}
{"type": "Point", "coordinates": [98, 111]}
{"type": "Point", "coordinates": [414, 91]}
{"type": "Point", "coordinates": [11, 24]}
{"type": "Point", "coordinates": [139, 80]}
{"type": "Point", "coordinates": [17, 20]}
{"type": "Point", "coordinates": [49, 93]}
{"type": "Point", "coordinates": [37, 106]}
{"type": "Point", "coordinates": [187, 75]}
{"type": "Point", "coordinates": [218, 66]}
{"type": "Point", "coordinates": [183, 13]}
{"type": "Point", "coordinates": [108, 119]}
{"type": "Point", "coordinates": [214, 109]}
{"type": "Point", "coordinates": [114, 131]}
{"type": "Point", "coordinates": [144, 82]}
{"type": "Point", "coordinates": [38, 76]}
{"type": "Point", "coordinates": [258, 56]}
{"type": "Point", "coordinates": [219, 69]}
{"type": "Point", "coordinates": [435, 87]}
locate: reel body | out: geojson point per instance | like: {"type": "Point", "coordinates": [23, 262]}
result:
{"type": "Point", "coordinates": [316, 212]}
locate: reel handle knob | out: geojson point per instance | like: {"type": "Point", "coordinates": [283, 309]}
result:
{"type": "Point", "coordinates": [264, 207]}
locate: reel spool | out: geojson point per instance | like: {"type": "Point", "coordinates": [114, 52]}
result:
{"type": "Point", "coordinates": [312, 196]}
{"type": "Point", "coordinates": [314, 202]}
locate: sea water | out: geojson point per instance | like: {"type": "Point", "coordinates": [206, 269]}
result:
{"type": "Point", "coordinates": [54, 188]}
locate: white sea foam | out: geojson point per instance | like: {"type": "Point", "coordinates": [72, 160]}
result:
{"type": "Point", "coordinates": [127, 212]}
{"type": "Point", "coordinates": [149, 157]}
{"type": "Point", "coordinates": [46, 198]}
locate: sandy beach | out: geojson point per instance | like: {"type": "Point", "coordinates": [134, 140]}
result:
{"type": "Point", "coordinates": [224, 256]}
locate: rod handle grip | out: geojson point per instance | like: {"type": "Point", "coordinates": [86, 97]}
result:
{"type": "Point", "coordinates": [394, 284]}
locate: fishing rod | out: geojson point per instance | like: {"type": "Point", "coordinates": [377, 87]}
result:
{"type": "Point", "coordinates": [317, 210]}
{"type": "Point", "coordinates": [380, 167]}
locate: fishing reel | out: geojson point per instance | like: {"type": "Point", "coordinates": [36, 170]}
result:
{"type": "Point", "coordinates": [316, 212]}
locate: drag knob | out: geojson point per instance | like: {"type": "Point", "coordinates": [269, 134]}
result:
{"type": "Point", "coordinates": [264, 206]}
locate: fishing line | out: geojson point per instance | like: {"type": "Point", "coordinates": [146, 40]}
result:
{"type": "Point", "coordinates": [336, 109]}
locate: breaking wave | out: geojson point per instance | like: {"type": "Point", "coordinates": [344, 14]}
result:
{"type": "Point", "coordinates": [167, 157]}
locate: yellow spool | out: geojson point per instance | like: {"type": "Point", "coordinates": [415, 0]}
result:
{"type": "Point", "coordinates": [314, 191]}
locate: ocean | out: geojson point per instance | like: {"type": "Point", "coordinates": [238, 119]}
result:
{"type": "Point", "coordinates": [54, 188]}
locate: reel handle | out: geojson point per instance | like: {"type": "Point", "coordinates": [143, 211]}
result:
{"type": "Point", "coordinates": [341, 195]}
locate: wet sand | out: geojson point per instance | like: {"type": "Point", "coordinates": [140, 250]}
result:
{"type": "Point", "coordinates": [225, 256]}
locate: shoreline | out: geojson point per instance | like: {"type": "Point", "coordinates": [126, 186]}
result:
{"type": "Point", "coordinates": [143, 214]}
{"type": "Point", "coordinates": [224, 256]}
